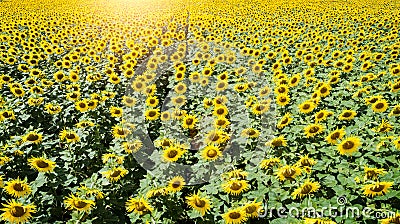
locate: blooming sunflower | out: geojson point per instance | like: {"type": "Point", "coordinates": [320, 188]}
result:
{"type": "Point", "coordinates": [276, 142]}
{"type": "Point", "coordinates": [235, 216]}
{"type": "Point", "coordinates": [393, 219]}
{"type": "Point", "coordinates": [116, 111]}
{"type": "Point", "coordinates": [288, 172]}
{"type": "Point", "coordinates": [172, 154]}
{"type": "Point", "coordinates": [307, 188]}
{"type": "Point", "coordinates": [115, 173]}
{"type": "Point", "coordinates": [384, 127]}
{"type": "Point", "coordinates": [284, 121]}
{"type": "Point", "coordinates": [189, 121]}
{"type": "Point", "coordinates": [306, 161]}
{"type": "Point", "coordinates": [17, 188]}
{"type": "Point", "coordinates": [250, 133]}
{"type": "Point", "coordinates": [377, 188]}
{"type": "Point", "coordinates": [41, 164]}
{"type": "Point", "coordinates": [69, 136]}
{"type": "Point", "coordinates": [16, 212]}
{"type": "Point", "coordinates": [313, 130]}
{"type": "Point", "coordinates": [211, 152]}
{"type": "Point", "coordinates": [120, 132]}
{"type": "Point", "coordinates": [76, 203]}
{"type": "Point", "coordinates": [269, 163]}
{"type": "Point", "coordinates": [198, 203]}
{"type": "Point", "coordinates": [138, 205]}
{"type": "Point", "coordinates": [306, 107]}
{"type": "Point", "coordinates": [395, 111]}
{"type": "Point", "coordinates": [235, 187]}
{"type": "Point", "coordinates": [129, 101]}
{"type": "Point", "coordinates": [282, 99]}
{"type": "Point", "coordinates": [252, 209]}
{"type": "Point", "coordinates": [372, 173]}
{"type": "Point", "coordinates": [349, 145]}
{"type": "Point", "coordinates": [380, 106]}
{"type": "Point", "coordinates": [155, 192]}
{"type": "Point", "coordinates": [347, 115]}
{"type": "Point", "coordinates": [176, 184]}
{"type": "Point", "coordinates": [322, 115]}
{"type": "Point", "coordinates": [335, 135]}
{"type": "Point", "coordinates": [152, 114]}
{"type": "Point", "coordinates": [32, 137]}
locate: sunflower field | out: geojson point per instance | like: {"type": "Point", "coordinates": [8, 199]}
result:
{"type": "Point", "coordinates": [158, 111]}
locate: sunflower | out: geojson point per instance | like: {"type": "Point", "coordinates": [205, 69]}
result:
{"type": "Point", "coordinates": [18, 92]}
{"type": "Point", "coordinates": [235, 216]}
{"type": "Point", "coordinates": [395, 111]}
{"type": "Point", "coordinates": [335, 135]}
{"type": "Point", "coordinates": [176, 184]}
{"type": "Point", "coordinates": [155, 192]}
{"type": "Point", "coordinates": [305, 161]}
{"type": "Point", "coordinates": [211, 152]}
{"type": "Point", "coordinates": [220, 111]}
{"type": "Point", "coordinates": [138, 205]}
{"type": "Point", "coordinates": [32, 137]}
{"type": "Point", "coordinates": [189, 121]}
{"type": "Point", "coordinates": [259, 108]}
{"type": "Point", "coordinates": [221, 85]}
{"type": "Point", "coordinates": [221, 122]}
{"type": "Point", "coordinates": [165, 116]}
{"type": "Point", "coordinates": [180, 88]}
{"type": "Point", "coordinates": [312, 130]}
{"type": "Point", "coordinates": [288, 172]}
{"type": "Point", "coordinates": [18, 188]}
{"type": "Point", "coordinates": [284, 121]}
{"type": "Point", "coordinates": [252, 209]}
{"type": "Point", "coordinates": [281, 89]}
{"type": "Point", "coordinates": [294, 80]}
{"type": "Point", "coordinates": [129, 101]}
{"type": "Point", "coordinates": [377, 188]}
{"type": "Point", "coordinates": [349, 145]}
{"type": "Point", "coordinates": [138, 86]}
{"type": "Point", "coordinates": [235, 187]}
{"type": "Point", "coordinates": [324, 90]}
{"type": "Point", "coordinates": [380, 106]}
{"type": "Point", "coordinates": [384, 127]}
{"type": "Point", "coordinates": [347, 115]}
{"type": "Point", "coordinates": [82, 105]}
{"type": "Point", "coordinates": [372, 173]}
{"type": "Point", "coordinates": [395, 219]}
{"type": "Point", "coordinates": [76, 203]}
{"type": "Point", "coordinates": [152, 101]}
{"type": "Point", "coordinates": [269, 163]}
{"type": "Point", "coordinates": [250, 133]}
{"type": "Point", "coordinates": [16, 212]}
{"type": "Point", "coordinates": [152, 114]}
{"type": "Point", "coordinates": [132, 146]}
{"type": "Point", "coordinates": [116, 111]}
{"type": "Point", "coordinates": [306, 107]}
{"type": "Point", "coordinates": [282, 100]}
{"type": "Point", "coordinates": [396, 143]}
{"type": "Point", "coordinates": [52, 109]}
{"type": "Point", "coordinates": [278, 141]}
{"type": "Point", "coordinates": [172, 154]}
{"type": "Point", "coordinates": [120, 132]}
{"type": "Point", "coordinates": [307, 188]}
{"type": "Point", "coordinates": [69, 136]}
{"type": "Point", "coordinates": [198, 203]}
{"type": "Point", "coordinates": [115, 173]}
{"type": "Point", "coordinates": [322, 115]}
{"type": "Point", "coordinates": [84, 124]}
{"type": "Point", "coordinates": [41, 164]}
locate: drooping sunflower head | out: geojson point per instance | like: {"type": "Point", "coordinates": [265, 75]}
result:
{"type": "Point", "coordinates": [33, 137]}
{"type": "Point", "coordinates": [115, 173]}
{"type": "Point", "coordinates": [372, 173]}
{"type": "Point", "coordinates": [278, 141]}
{"type": "Point", "coordinates": [269, 163]}
{"type": "Point", "coordinates": [253, 209]}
